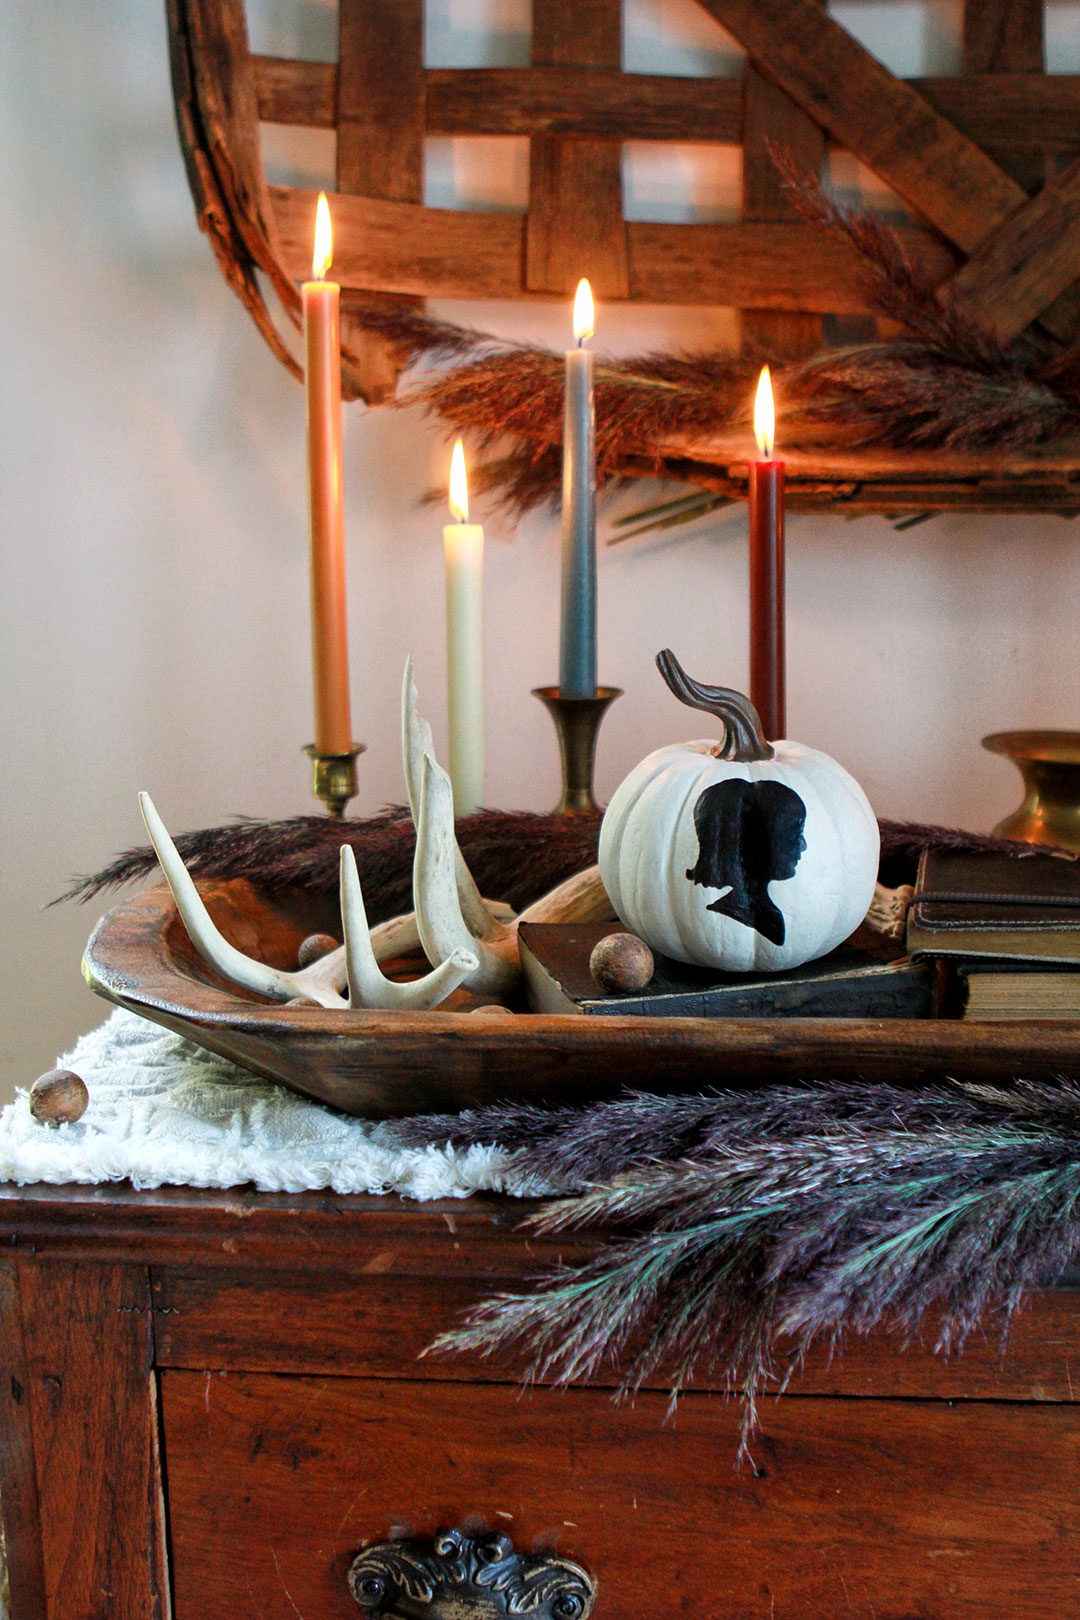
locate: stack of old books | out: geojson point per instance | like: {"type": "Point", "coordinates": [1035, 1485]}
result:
{"type": "Point", "coordinates": [1003, 932]}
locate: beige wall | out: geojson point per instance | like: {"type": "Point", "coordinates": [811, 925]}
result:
{"type": "Point", "coordinates": [152, 516]}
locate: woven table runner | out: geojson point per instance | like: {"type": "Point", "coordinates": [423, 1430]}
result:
{"type": "Point", "coordinates": [165, 1112]}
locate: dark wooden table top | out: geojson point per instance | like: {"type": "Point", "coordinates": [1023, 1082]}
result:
{"type": "Point", "coordinates": [446, 1252]}
{"type": "Point", "coordinates": [241, 1226]}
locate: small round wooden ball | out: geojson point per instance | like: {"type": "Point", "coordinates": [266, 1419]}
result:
{"type": "Point", "coordinates": [302, 1001]}
{"type": "Point", "coordinates": [314, 947]}
{"type": "Point", "coordinates": [58, 1097]}
{"type": "Point", "coordinates": [493, 1009]}
{"type": "Point", "coordinates": [621, 963]}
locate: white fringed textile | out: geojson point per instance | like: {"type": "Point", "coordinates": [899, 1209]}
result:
{"type": "Point", "coordinates": [165, 1112]}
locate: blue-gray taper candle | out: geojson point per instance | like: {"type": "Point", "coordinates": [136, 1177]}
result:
{"type": "Point", "coordinates": [577, 645]}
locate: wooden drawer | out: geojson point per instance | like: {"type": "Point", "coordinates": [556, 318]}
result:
{"type": "Point", "coordinates": [871, 1508]}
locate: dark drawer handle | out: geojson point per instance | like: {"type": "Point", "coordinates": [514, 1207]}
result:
{"type": "Point", "coordinates": [456, 1574]}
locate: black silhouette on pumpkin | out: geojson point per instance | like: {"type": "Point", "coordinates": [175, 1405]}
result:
{"type": "Point", "coordinates": [750, 834]}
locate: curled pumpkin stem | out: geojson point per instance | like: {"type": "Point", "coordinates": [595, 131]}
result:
{"type": "Point", "coordinates": [743, 736]}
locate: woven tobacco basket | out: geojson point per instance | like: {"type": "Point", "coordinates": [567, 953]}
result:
{"type": "Point", "coordinates": [985, 161]}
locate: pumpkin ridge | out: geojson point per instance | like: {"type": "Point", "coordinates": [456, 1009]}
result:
{"type": "Point", "coordinates": [684, 924]}
{"type": "Point", "coordinates": [617, 822]}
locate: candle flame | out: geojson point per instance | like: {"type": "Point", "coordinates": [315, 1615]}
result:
{"type": "Point", "coordinates": [324, 240]}
{"type": "Point", "coordinates": [764, 414]}
{"type": "Point", "coordinates": [584, 312]}
{"type": "Point", "coordinates": [459, 488]}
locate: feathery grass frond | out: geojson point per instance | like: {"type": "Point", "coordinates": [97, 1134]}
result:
{"type": "Point", "coordinates": [740, 1229]}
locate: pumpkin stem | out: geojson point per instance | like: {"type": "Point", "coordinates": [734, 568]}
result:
{"type": "Point", "coordinates": [743, 736]}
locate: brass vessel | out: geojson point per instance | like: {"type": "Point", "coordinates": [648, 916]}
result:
{"type": "Point", "coordinates": [1049, 762]}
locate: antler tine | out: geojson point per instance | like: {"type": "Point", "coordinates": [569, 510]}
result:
{"type": "Point", "coordinates": [368, 985]}
{"type": "Point", "coordinates": [317, 982]}
{"type": "Point", "coordinates": [481, 920]}
{"type": "Point", "coordinates": [439, 915]}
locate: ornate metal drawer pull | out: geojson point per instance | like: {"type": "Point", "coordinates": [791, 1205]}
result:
{"type": "Point", "coordinates": [457, 1576]}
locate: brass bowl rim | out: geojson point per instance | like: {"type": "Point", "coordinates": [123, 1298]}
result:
{"type": "Point", "coordinates": [1049, 747]}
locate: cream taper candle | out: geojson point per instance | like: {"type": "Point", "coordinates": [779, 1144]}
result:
{"type": "Point", "coordinates": [322, 380]}
{"type": "Point", "coordinates": [463, 543]}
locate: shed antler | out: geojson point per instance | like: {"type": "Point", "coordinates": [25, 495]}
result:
{"type": "Point", "coordinates": [355, 964]}
{"type": "Point", "coordinates": [484, 919]}
{"type": "Point", "coordinates": [323, 981]}
{"type": "Point", "coordinates": [368, 985]}
{"type": "Point", "coordinates": [440, 910]}
{"type": "Point", "coordinates": [469, 941]}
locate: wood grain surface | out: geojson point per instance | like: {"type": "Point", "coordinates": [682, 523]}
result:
{"type": "Point", "coordinates": [405, 247]}
{"type": "Point", "coordinates": [1003, 35]}
{"type": "Point", "coordinates": [780, 142]}
{"type": "Point", "coordinates": [868, 1508]}
{"type": "Point", "coordinates": [574, 226]}
{"type": "Point", "coordinates": [1026, 265]}
{"type": "Point", "coordinates": [379, 1064]}
{"type": "Point", "coordinates": [1008, 37]}
{"type": "Point", "coordinates": [1007, 110]}
{"type": "Point", "coordinates": [374, 1325]}
{"type": "Point", "coordinates": [18, 1475]}
{"type": "Point", "coordinates": [86, 1380]}
{"type": "Point", "coordinates": [379, 101]}
{"type": "Point", "coordinates": [947, 1490]}
{"type": "Point", "coordinates": [865, 108]}
{"type": "Point", "coordinates": [478, 1236]}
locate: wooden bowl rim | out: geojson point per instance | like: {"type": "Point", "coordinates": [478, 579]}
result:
{"type": "Point", "coordinates": [137, 927]}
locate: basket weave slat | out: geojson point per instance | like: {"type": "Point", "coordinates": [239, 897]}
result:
{"type": "Point", "coordinates": [964, 153]}
{"type": "Point", "coordinates": [380, 137]}
{"type": "Point", "coordinates": [574, 225]}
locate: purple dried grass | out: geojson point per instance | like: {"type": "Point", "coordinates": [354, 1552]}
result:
{"type": "Point", "coordinates": [741, 1228]}
{"type": "Point", "coordinates": [515, 855]}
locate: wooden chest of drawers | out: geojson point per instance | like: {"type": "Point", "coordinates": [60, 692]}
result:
{"type": "Point", "coordinates": [212, 1402]}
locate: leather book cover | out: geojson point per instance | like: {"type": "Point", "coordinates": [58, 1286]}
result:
{"type": "Point", "coordinates": [868, 976]}
{"type": "Point", "coordinates": [1018, 907]}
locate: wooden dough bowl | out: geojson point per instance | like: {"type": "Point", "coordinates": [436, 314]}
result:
{"type": "Point", "coordinates": [381, 1064]}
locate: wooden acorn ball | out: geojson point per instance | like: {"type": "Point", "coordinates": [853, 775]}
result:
{"type": "Point", "coordinates": [621, 963]}
{"type": "Point", "coordinates": [314, 948]}
{"type": "Point", "coordinates": [58, 1097]}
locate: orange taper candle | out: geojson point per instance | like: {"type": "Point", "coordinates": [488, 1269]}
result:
{"type": "Point", "coordinates": [322, 378]}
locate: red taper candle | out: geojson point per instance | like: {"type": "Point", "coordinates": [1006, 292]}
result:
{"type": "Point", "coordinates": [767, 569]}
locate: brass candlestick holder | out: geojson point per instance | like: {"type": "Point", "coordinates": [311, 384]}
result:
{"type": "Point", "coordinates": [577, 722]}
{"type": "Point", "coordinates": [334, 777]}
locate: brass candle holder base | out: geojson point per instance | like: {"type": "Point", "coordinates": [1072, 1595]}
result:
{"type": "Point", "coordinates": [334, 777]}
{"type": "Point", "coordinates": [577, 722]}
{"type": "Point", "coordinates": [1049, 762]}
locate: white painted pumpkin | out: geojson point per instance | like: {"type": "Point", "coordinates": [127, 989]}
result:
{"type": "Point", "coordinates": [740, 854]}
